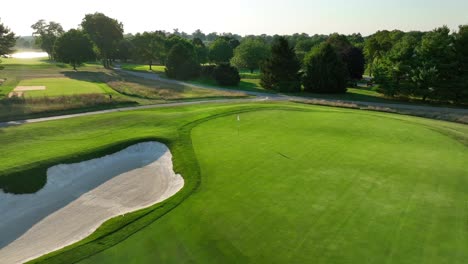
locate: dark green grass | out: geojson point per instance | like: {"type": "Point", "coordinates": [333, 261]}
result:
{"type": "Point", "coordinates": [316, 184]}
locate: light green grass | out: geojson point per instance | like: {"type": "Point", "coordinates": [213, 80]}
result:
{"type": "Point", "coordinates": [302, 187]}
{"type": "Point", "coordinates": [64, 87]}
{"type": "Point", "coordinates": [288, 183]}
{"type": "Point", "coordinates": [144, 68]}
{"type": "Point", "coordinates": [16, 61]}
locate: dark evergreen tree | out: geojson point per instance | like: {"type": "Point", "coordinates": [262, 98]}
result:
{"type": "Point", "coordinates": [325, 71]}
{"type": "Point", "coordinates": [281, 71]}
{"type": "Point", "coordinates": [182, 62]}
{"type": "Point", "coordinates": [355, 62]}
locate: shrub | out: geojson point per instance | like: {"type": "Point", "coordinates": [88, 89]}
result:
{"type": "Point", "coordinates": [226, 75]}
{"type": "Point", "coordinates": [206, 71]}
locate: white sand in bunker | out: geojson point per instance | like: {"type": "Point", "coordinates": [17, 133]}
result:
{"type": "Point", "coordinates": [79, 197]}
{"type": "Point", "coordinates": [19, 90]}
{"type": "Point", "coordinates": [29, 88]}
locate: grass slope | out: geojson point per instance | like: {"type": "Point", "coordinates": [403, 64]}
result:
{"type": "Point", "coordinates": [300, 187]}
{"type": "Point", "coordinates": [315, 184]}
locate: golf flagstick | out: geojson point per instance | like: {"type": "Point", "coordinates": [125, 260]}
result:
{"type": "Point", "coordinates": [238, 124]}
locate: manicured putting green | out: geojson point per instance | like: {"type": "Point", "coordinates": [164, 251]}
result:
{"type": "Point", "coordinates": [64, 86]}
{"type": "Point", "coordinates": [314, 187]}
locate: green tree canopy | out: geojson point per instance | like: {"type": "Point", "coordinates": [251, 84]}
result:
{"type": "Point", "coordinates": [105, 32]}
{"type": "Point", "coordinates": [182, 63]}
{"type": "Point", "coordinates": [250, 54]}
{"type": "Point", "coordinates": [7, 40]}
{"type": "Point", "coordinates": [149, 47]}
{"type": "Point", "coordinates": [325, 71]}
{"type": "Point", "coordinates": [280, 72]}
{"type": "Point", "coordinates": [220, 51]}
{"type": "Point", "coordinates": [125, 49]}
{"type": "Point", "coordinates": [74, 47]}
{"type": "Point", "coordinates": [201, 50]}
{"type": "Point", "coordinates": [46, 34]}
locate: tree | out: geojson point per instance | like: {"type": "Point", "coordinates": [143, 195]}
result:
{"type": "Point", "coordinates": [437, 50]}
{"type": "Point", "coordinates": [220, 51]}
{"type": "Point", "coordinates": [460, 89]}
{"type": "Point", "coordinates": [355, 62]}
{"type": "Point", "coordinates": [125, 49]}
{"type": "Point", "coordinates": [200, 50]}
{"type": "Point", "coordinates": [74, 47]}
{"type": "Point", "coordinates": [7, 40]}
{"type": "Point", "coordinates": [226, 75]}
{"type": "Point", "coordinates": [250, 54]}
{"type": "Point", "coordinates": [212, 36]}
{"type": "Point", "coordinates": [353, 57]}
{"type": "Point", "coordinates": [376, 46]}
{"type": "Point", "coordinates": [105, 32]}
{"type": "Point", "coordinates": [280, 72]}
{"type": "Point", "coordinates": [424, 78]}
{"type": "Point", "coordinates": [325, 71]}
{"type": "Point", "coordinates": [199, 35]}
{"type": "Point", "coordinates": [46, 34]}
{"type": "Point", "coordinates": [182, 63]}
{"type": "Point", "coordinates": [149, 47]}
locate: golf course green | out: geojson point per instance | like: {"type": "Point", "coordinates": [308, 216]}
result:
{"type": "Point", "coordinates": [271, 183]}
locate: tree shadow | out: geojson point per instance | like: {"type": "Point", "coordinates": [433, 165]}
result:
{"type": "Point", "coordinates": [90, 76]}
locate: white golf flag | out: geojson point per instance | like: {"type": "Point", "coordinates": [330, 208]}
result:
{"type": "Point", "coordinates": [238, 118]}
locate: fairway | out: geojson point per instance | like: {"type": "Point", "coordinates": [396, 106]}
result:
{"type": "Point", "coordinates": [64, 87]}
{"type": "Point", "coordinates": [301, 187]}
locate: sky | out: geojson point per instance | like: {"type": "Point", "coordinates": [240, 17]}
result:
{"type": "Point", "coordinates": [244, 17]}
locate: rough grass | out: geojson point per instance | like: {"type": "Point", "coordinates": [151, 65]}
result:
{"type": "Point", "coordinates": [18, 108]}
{"type": "Point", "coordinates": [151, 89]}
{"type": "Point", "coordinates": [314, 184]}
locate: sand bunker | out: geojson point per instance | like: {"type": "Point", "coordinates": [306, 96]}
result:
{"type": "Point", "coordinates": [79, 197]}
{"type": "Point", "coordinates": [29, 88]}
{"type": "Point", "coordinates": [19, 90]}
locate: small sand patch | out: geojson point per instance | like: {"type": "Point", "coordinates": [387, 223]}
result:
{"type": "Point", "coordinates": [17, 94]}
{"type": "Point", "coordinates": [29, 88]}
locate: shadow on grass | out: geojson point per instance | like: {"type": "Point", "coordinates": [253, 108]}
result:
{"type": "Point", "coordinates": [89, 76]}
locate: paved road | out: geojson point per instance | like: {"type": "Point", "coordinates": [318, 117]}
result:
{"type": "Point", "coordinates": [259, 96]}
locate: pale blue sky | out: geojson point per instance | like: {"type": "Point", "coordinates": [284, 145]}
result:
{"type": "Point", "coordinates": [245, 16]}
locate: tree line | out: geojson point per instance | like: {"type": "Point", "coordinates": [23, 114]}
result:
{"type": "Point", "coordinates": [428, 65]}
